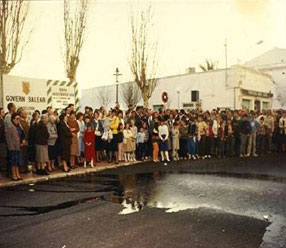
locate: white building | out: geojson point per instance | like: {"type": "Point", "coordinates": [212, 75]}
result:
{"type": "Point", "coordinates": [235, 88]}
{"type": "Point", "coordinates": [273, 62]}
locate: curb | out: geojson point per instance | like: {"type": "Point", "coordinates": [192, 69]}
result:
{"type": "Point", "coordinates": [76, 172]}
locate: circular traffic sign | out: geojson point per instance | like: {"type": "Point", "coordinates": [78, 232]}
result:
{"type": "Point", "coordinates": [165, 97]}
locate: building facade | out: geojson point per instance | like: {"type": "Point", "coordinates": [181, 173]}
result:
{"type": "Point", "coordinates": [273, 62]}
{"type": "Point", "coordinates": [235, 88]}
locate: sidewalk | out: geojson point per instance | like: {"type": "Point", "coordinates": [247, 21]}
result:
{"type": "Point", "coordinates": [31, 178]}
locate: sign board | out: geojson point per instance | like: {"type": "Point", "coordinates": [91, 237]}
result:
{"type": "Point", "coordinates": [36, 94]}
{"type": "Point", "coordinates": [62, 96]}
{"type": "Point", "coordinates": [24, 92]}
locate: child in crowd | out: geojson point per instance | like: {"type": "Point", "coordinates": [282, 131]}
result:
{"type": "Point", "coordinates": [155, 144]}
{"type": "Point", "coordinates": [89, 152]}
{"type": "Point", "coordinates": [141, 143]}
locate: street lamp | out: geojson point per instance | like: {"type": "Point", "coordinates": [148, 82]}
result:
{"type": "Point", "coordinates": [117, 74]}
{"type": "Point", "coordinates": [178, 92]}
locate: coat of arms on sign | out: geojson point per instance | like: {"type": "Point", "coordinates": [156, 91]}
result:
{"type": "Point", "coordinates": [26, 87]}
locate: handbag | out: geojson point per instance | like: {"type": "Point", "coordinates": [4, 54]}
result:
{"type": "Point", "coordinates": [105, 135]}
{"type": "Point", "coordinates": [110, 135]}
{"type": "Point", "coordinates": [97, 133]}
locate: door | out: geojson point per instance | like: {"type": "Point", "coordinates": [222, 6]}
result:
{"type": "Point", "coordinates": [257, 105]}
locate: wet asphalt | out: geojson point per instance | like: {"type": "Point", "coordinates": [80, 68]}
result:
{"type": "Point", "coordinates": [213, 203]}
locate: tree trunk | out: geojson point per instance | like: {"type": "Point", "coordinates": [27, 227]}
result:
{"type": "Point", "coordinates": [145, 100]}
{"type": "Point", "coordinates": [1, 90]}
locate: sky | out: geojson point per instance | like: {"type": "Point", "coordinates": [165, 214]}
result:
{"type": "Point", "coordinates": [187, 32]}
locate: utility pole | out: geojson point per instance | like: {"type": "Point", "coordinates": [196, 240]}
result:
{"type": "Point", "coordinates": [225, 46]}
{"type": "Point", "coordinates": [117, 74]}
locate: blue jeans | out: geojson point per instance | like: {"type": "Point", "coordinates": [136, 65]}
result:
{"type": "Point", "coordinates": [192, 147]}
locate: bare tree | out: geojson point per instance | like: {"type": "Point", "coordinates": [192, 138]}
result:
{"type": "Point", "coordinates": [75, 18]}
{"type": "Point", "coordinates": [13, 15]}
{"type": "Point", "coordinates": [210, 65]}
{"type": "Point", "coordinates": [103, 96]}
{"type": "Point", "coordinates": [143, 58]}
{"type": "Point", "coordinates": [131, 94]}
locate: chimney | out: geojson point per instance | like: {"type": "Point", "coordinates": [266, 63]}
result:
{"type": "Point", "coordinates": [191, 70]}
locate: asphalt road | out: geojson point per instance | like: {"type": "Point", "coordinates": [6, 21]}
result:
{"type": "Point", "coordinates": [149, 205]}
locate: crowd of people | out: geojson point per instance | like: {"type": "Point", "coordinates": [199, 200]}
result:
{"type": "Point", "coordinates": [73, 139]}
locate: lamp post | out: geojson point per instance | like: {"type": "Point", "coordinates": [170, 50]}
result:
{"type": "Point", "coordinates": [117, 74]}
{"type": "Point", "coordinates": [178, 92]}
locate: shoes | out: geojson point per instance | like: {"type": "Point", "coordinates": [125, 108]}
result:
{"type": "Point", "coordinates": [39, 172]}
{"type": "Point", "coordinates": [255, 155]}
{"type": "Point", "coordinates": [45, 173]}
{"type": "Point", "coordinates": [20, 179]}
{"type": "Point", "coordinates": [68, 170]}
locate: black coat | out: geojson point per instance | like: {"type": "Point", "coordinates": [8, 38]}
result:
{"type": "Point", "coordinates": [65, 137]}
{"type": "Point", "coordinates": [244, 127]}
{"type": "Point", "coordinates": [41, 134]}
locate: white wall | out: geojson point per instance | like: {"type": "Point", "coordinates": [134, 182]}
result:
{"type": "Point", "coordinates": [212, 88]}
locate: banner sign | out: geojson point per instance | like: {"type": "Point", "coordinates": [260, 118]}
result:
{"type": "Point", "coordinates": [36, 94]}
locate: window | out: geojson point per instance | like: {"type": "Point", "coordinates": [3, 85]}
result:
{"type": "Point", "coordinates": [188, 105]}
{"type": "Point", "coordinates": [245, 104]}
{"type": "Point", "coordinates": [265, 105]}
{"type": "Point", "coordinates": [157, 107]}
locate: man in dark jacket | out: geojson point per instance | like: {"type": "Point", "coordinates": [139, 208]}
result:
{"type": "Point", "coordinates": [244, 130]}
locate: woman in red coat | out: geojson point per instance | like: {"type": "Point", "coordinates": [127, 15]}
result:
{"type": "Point", "coordinates": [89, 139]}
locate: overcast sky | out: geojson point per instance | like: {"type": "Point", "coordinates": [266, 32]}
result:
{"type": "Point", "coordinates": [188, 32]}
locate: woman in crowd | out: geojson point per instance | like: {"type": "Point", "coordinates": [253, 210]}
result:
{"type": "Point", "coordinates": [114, 123]}
{"type": "Point", "coordinates": [52, 148]}
{"type": "Point", "coordinates": [41, 141]}
{"type": "Point", "coordinates": [164, 136]}
{"type": "Point", "coordinates": [176, 141]}
{"type": "Point", "coordinates": [15, 138]}
{"type": "Point", "coordinates": [120, 143]}
{"type": "Point", "coordinates": [31, 141]}
{"type": "Point", "coordinates": [65, 136]}
{"type": "Point", "coordinates": [134, 131]}
{"type": "Point", "coordinates": [73, 125]}
{"type": "Point", "coordinates": [202, 127]}
{"type": "Point", "coordinates": [81, 126]}
{"type": "Point", "coordinates": [98, 131]}
{"type": "Point", "coordinates": [127, 142]}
